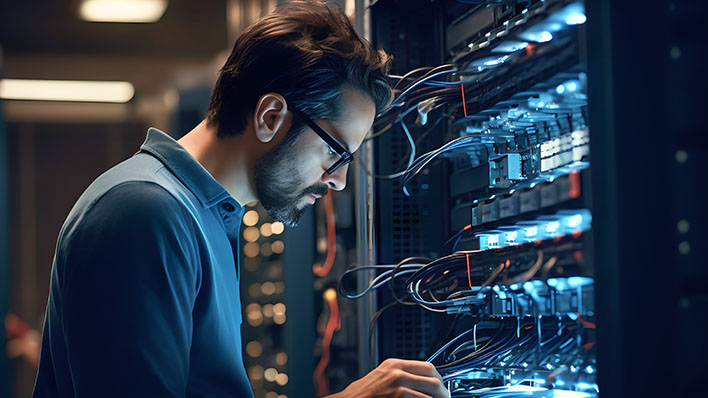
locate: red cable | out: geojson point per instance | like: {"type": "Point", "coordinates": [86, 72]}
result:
{"type": "Point", "coordinates": [469, 278]}
{"type": "Point", "coordinates": [586, 324]}
{"type": "Point", "coordinates": [333, 324]}
{"type": "Point", "coordinates": [322, 270]}
{"type": "Point", "coordinates": [464, 105]}
{"type": "Point", "coordinates": [574, 185]}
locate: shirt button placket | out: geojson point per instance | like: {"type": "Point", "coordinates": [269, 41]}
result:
{"type": "Point", "coordinates": [227, 210]}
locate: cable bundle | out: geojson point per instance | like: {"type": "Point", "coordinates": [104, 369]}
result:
{"type": "Point", "coordinates": [440, 284]}
{"type": "Point", "coordinates": [514, 343]}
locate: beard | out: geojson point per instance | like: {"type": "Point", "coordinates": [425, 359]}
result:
{"type": "Point", "coordinates": [278, 182]}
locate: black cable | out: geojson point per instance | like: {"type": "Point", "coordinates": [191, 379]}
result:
{"type": "Point", "coordinates": [395, 174]}
{"type": "Point", "coordinates": [409, 74]}
{"type": "Point", "coordinates": [372, 325]}
{"type": "Point", "coordinates": [391, 281]}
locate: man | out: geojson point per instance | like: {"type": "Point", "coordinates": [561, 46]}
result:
{"type": "Point", "coordinates": [144, 291]}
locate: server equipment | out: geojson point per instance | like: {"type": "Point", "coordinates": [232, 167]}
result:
{"type": "Point", "coordinates": [523, 205]}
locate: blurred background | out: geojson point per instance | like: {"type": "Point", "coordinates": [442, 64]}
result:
{"type": "Point", "coordinates": [154, 62]}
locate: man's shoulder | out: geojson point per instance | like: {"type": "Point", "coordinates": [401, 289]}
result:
{"type": "Point", "coordinates": [138, 185]}
{"type": "Point", "coordinates": [140, 168]}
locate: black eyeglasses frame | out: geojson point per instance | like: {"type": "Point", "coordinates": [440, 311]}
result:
{"type": "Point", "coordinates": [345, 157]}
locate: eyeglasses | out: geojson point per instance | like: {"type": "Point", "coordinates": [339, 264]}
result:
{"type": "Point", "coordinates": [345, 157]}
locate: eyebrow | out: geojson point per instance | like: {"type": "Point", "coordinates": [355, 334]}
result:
{"type": "Point", "coordinates": [336, 137]}
{"type": "Point", "coordinates": [343, 144]}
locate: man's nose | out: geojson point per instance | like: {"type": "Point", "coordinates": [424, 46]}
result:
{"type": "Point", "coordinates": [338, 180]}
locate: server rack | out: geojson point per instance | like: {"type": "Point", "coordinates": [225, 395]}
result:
{"type": "Point", "coordinates": [648, 196]}
{"type": "Point", "coordinates": [636, 262]}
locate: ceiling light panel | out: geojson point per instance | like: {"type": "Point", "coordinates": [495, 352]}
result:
{"type": "Point", "coordinates": [66, 90]}
{"type": "Point", "coordinates": [134, 11]}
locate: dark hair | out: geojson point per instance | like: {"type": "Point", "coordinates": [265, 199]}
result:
{"type": "Point", "coordinates": [304, 51]}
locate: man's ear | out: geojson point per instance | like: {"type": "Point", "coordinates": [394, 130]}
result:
{"type": "Point", "coordinates": [270, 116]}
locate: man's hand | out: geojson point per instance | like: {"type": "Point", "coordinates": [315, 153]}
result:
{"type": "Point", "coordinates": [398, 378]}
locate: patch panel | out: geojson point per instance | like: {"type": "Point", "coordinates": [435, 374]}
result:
{"type": "Point", "coordinates": [535, 196]}
{"type": "Point", "coordinates": [563, 222]}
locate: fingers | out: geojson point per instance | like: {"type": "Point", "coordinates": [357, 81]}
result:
{"type": "Point", "coordinates": [420, 368]}
{"type": "Point", "coordinates": [399, 379]}
{"type": "Point", "coordinates": [418, 376]}
{"type": "Point", "coordinates": [403, 392]}
{"type": "Point", "coordinates": [423, 384]}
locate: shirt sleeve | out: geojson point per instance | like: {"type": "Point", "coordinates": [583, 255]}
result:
{"type": "Point", "coordinates": [130, 281]}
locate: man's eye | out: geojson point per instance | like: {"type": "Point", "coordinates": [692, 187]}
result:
{"type": "Point", "coordinates": [330, 151]}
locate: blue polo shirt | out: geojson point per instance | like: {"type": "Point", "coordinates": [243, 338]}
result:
{"type": "Point", "coordinates": [144, 296]}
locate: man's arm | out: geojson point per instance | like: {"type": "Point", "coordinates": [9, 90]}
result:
{"type": "Point", "coordinates": [129, 283]}
{"type": "Point", "coordinates": [398, 378]}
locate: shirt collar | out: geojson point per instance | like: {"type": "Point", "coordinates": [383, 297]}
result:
{"type": "Point", "coordinates": [187, 169]}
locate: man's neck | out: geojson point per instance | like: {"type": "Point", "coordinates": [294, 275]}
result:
{"type": "Point", "coordinates": [228, 160]}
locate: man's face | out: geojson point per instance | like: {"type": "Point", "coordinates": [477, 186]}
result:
{"type": "Point", "coordinates": [291, 176]}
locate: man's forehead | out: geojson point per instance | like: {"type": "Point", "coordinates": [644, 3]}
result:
{"type": "Point", "coordinates": [338, 131]}
{"type": "Point", "coordinates": [348, 135]}
{"type": "Point", "coordinates": [359, 112]}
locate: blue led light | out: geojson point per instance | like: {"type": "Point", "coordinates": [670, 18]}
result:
{"type": "Point", "coordinates": [488, 240]}
{"type": "Point", "coordinates": [552, 227]}
{"type": "Point", "coordinates": [544, 37]}
{"type": "Point", "coordinates": [572, 86]}
{"type": "Point", "coordinates": [564, 222]}
{"type": "Point", "coordinates": [531, 231]}
{"type": "Point", "coordinates": [560, 89]}
{"type": "Point", "coordinates": [573, 14]}
{"type": "Point", "coordinates": [559, 284]}
{"type": "Point", "coordinates": [574, 221]}
{"type": "Point", "coordinates": [510, 238]}
{"type": "Point", "coordinates": [538, 35]}
{"type": "Point", "coordinates": [554, 27]}
{"type": "Point", "coordinates": [575, 18]}
{"type": "Point", "coordinates": [589, 370]}
{"type": "Point", "coordinates": [578, 281]}
{"type": "Point", "coordinates": [520, 46]}
{"type": "Point", "coordinates": [496, 61]}
{"type": "Point", "coordinates": [586, 386]}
